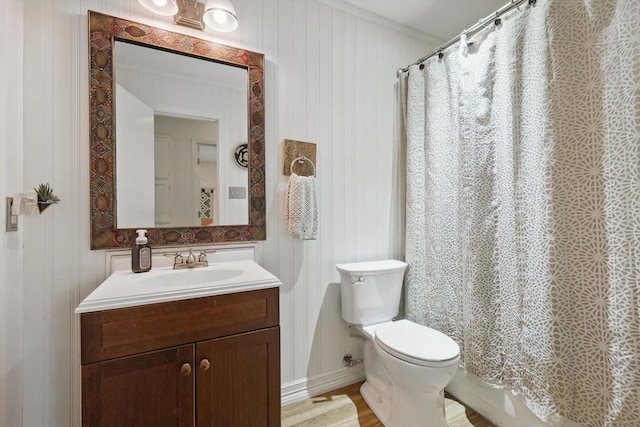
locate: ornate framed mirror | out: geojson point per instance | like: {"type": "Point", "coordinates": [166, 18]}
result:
{"type": "Point", "coordinates": [105, 32]}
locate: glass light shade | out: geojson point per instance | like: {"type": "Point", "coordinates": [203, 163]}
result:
{"type": "Point", "coordinates": [219, 15]}
{"type": "Point", "coordinates": [161, 7]}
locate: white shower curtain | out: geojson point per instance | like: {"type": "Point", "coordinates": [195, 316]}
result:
{"type": "Point", "coordinates": [523, 206]}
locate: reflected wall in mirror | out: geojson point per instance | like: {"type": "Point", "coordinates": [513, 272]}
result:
{"type": "Point", "coordinates": [184, 187]}
{"type": "Point", "coordinates": [165, 102]}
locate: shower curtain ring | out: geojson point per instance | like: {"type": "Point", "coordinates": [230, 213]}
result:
{"type": "Point", "coordinates": [498, 20]}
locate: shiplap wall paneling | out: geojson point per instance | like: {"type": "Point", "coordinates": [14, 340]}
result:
{"type": "Point", "coordinates": [329, 80]}
{"type": "Point", "coordinates": [11, 183]}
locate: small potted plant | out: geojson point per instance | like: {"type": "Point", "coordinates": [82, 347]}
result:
{"type": "Point", "coordinates": [45, 196]}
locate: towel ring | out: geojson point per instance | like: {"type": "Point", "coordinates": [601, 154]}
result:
{"type": "Point", "coordinates": [301, 159]}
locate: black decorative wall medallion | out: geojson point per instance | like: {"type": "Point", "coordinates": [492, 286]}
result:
{"type": "Point", "coordinates": [242, 155]}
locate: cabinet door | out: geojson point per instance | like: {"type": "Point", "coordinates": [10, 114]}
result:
{"type": "Point", "coordinates": [151, 389]}
{"type": "Point", "coordinates": [238, 380]}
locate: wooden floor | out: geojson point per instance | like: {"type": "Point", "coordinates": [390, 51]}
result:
{"type": "Point", "coordinates": [457, 414]}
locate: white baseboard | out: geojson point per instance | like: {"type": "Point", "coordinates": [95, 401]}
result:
{"type": "Point", "coordinates": [308, 387]}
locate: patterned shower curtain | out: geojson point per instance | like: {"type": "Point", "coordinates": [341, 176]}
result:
{"type": "Point", "coordinates": [523, 206]}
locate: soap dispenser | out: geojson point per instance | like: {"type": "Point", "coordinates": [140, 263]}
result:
{"type": "Point", "coordinates": [141, 253]}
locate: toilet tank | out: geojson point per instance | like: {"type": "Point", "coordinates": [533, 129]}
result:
{"type": "Point", "coordinates": [370, 291]}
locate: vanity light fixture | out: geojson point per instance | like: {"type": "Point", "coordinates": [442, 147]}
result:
{"type": "Point", "coordinates": [161, 7]}
{"type": "Point", "coordinates": [219, 15]}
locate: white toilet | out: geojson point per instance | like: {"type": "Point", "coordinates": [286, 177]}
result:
{"type": "Point", "coordinates": [407, 365]}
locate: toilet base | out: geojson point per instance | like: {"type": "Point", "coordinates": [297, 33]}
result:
{"type": "Point", "coordinates": [379, 406]}
{"type": "Point", "coordinates": [410, 410]}
{"type": "Point", "coordinates": [427, 411]}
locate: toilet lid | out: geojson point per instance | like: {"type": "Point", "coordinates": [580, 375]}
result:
{"type": "Point", "coordinates": [415, 343]}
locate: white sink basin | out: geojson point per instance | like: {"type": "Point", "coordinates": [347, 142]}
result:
{"type": "Point", "coordinates": [188, 277]}
{"type": "Point", "coordinates": [127, 289]}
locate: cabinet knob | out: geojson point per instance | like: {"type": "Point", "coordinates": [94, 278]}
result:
{"type": "Point", "coordinates": [185, 370]}
{"type": "Point", "coordinates": [204, 364]}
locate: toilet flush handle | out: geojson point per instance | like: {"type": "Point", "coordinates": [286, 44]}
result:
{"type": "Point", "coordinates": [360, 281]}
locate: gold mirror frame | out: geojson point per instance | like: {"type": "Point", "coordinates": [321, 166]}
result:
{"type": "Point", "coordinates": [104, 30]}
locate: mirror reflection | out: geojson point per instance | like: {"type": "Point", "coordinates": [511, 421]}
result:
{"type": "Point", "coordinates": [179, 123]}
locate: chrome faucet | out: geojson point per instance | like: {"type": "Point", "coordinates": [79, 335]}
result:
{"type": "Point", "coordinates": [179, 262]}
{"type": "Point", "coordinates": [191, 258]}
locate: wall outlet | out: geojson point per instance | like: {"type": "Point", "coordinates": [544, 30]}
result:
{"type": "Point", "coordinates": [237, 192]}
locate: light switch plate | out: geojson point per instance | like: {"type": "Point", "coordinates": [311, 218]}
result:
{"type": "Point", "coordinates": [237, 192]}
{"type": "Point", "coordinates": [12, 220]}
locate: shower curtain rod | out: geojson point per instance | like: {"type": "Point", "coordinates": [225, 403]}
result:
{"type": "Point", "coordinates": [494, 17]}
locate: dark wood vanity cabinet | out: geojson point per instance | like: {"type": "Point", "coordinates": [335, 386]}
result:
{"type": "Point", "coordinates": [140, 390]}
{"type": "Point", "coordinates": [235, 392]}
{"type": "Point", "coordinates": [212, 361]}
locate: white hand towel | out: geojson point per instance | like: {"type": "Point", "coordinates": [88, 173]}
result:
{"type": "Point", "coordinates": [301, 207]}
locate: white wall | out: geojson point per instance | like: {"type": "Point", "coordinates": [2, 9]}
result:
{"type": "Point", "coordinates": [11, 142]}
{"type": "Point", "coordinates": [329, 80]}
{"type": "Point", "coordinates": [136, 175]}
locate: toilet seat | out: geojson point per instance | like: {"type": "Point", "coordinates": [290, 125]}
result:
{"type": "Point", "coordinates": [416, 344]}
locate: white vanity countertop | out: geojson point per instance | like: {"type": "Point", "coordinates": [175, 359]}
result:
{"type": "Point", "coordinates": [127, 289]}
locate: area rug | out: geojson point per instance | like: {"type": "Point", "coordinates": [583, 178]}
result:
{"type": "Point", "coordinates": [337, 411]}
